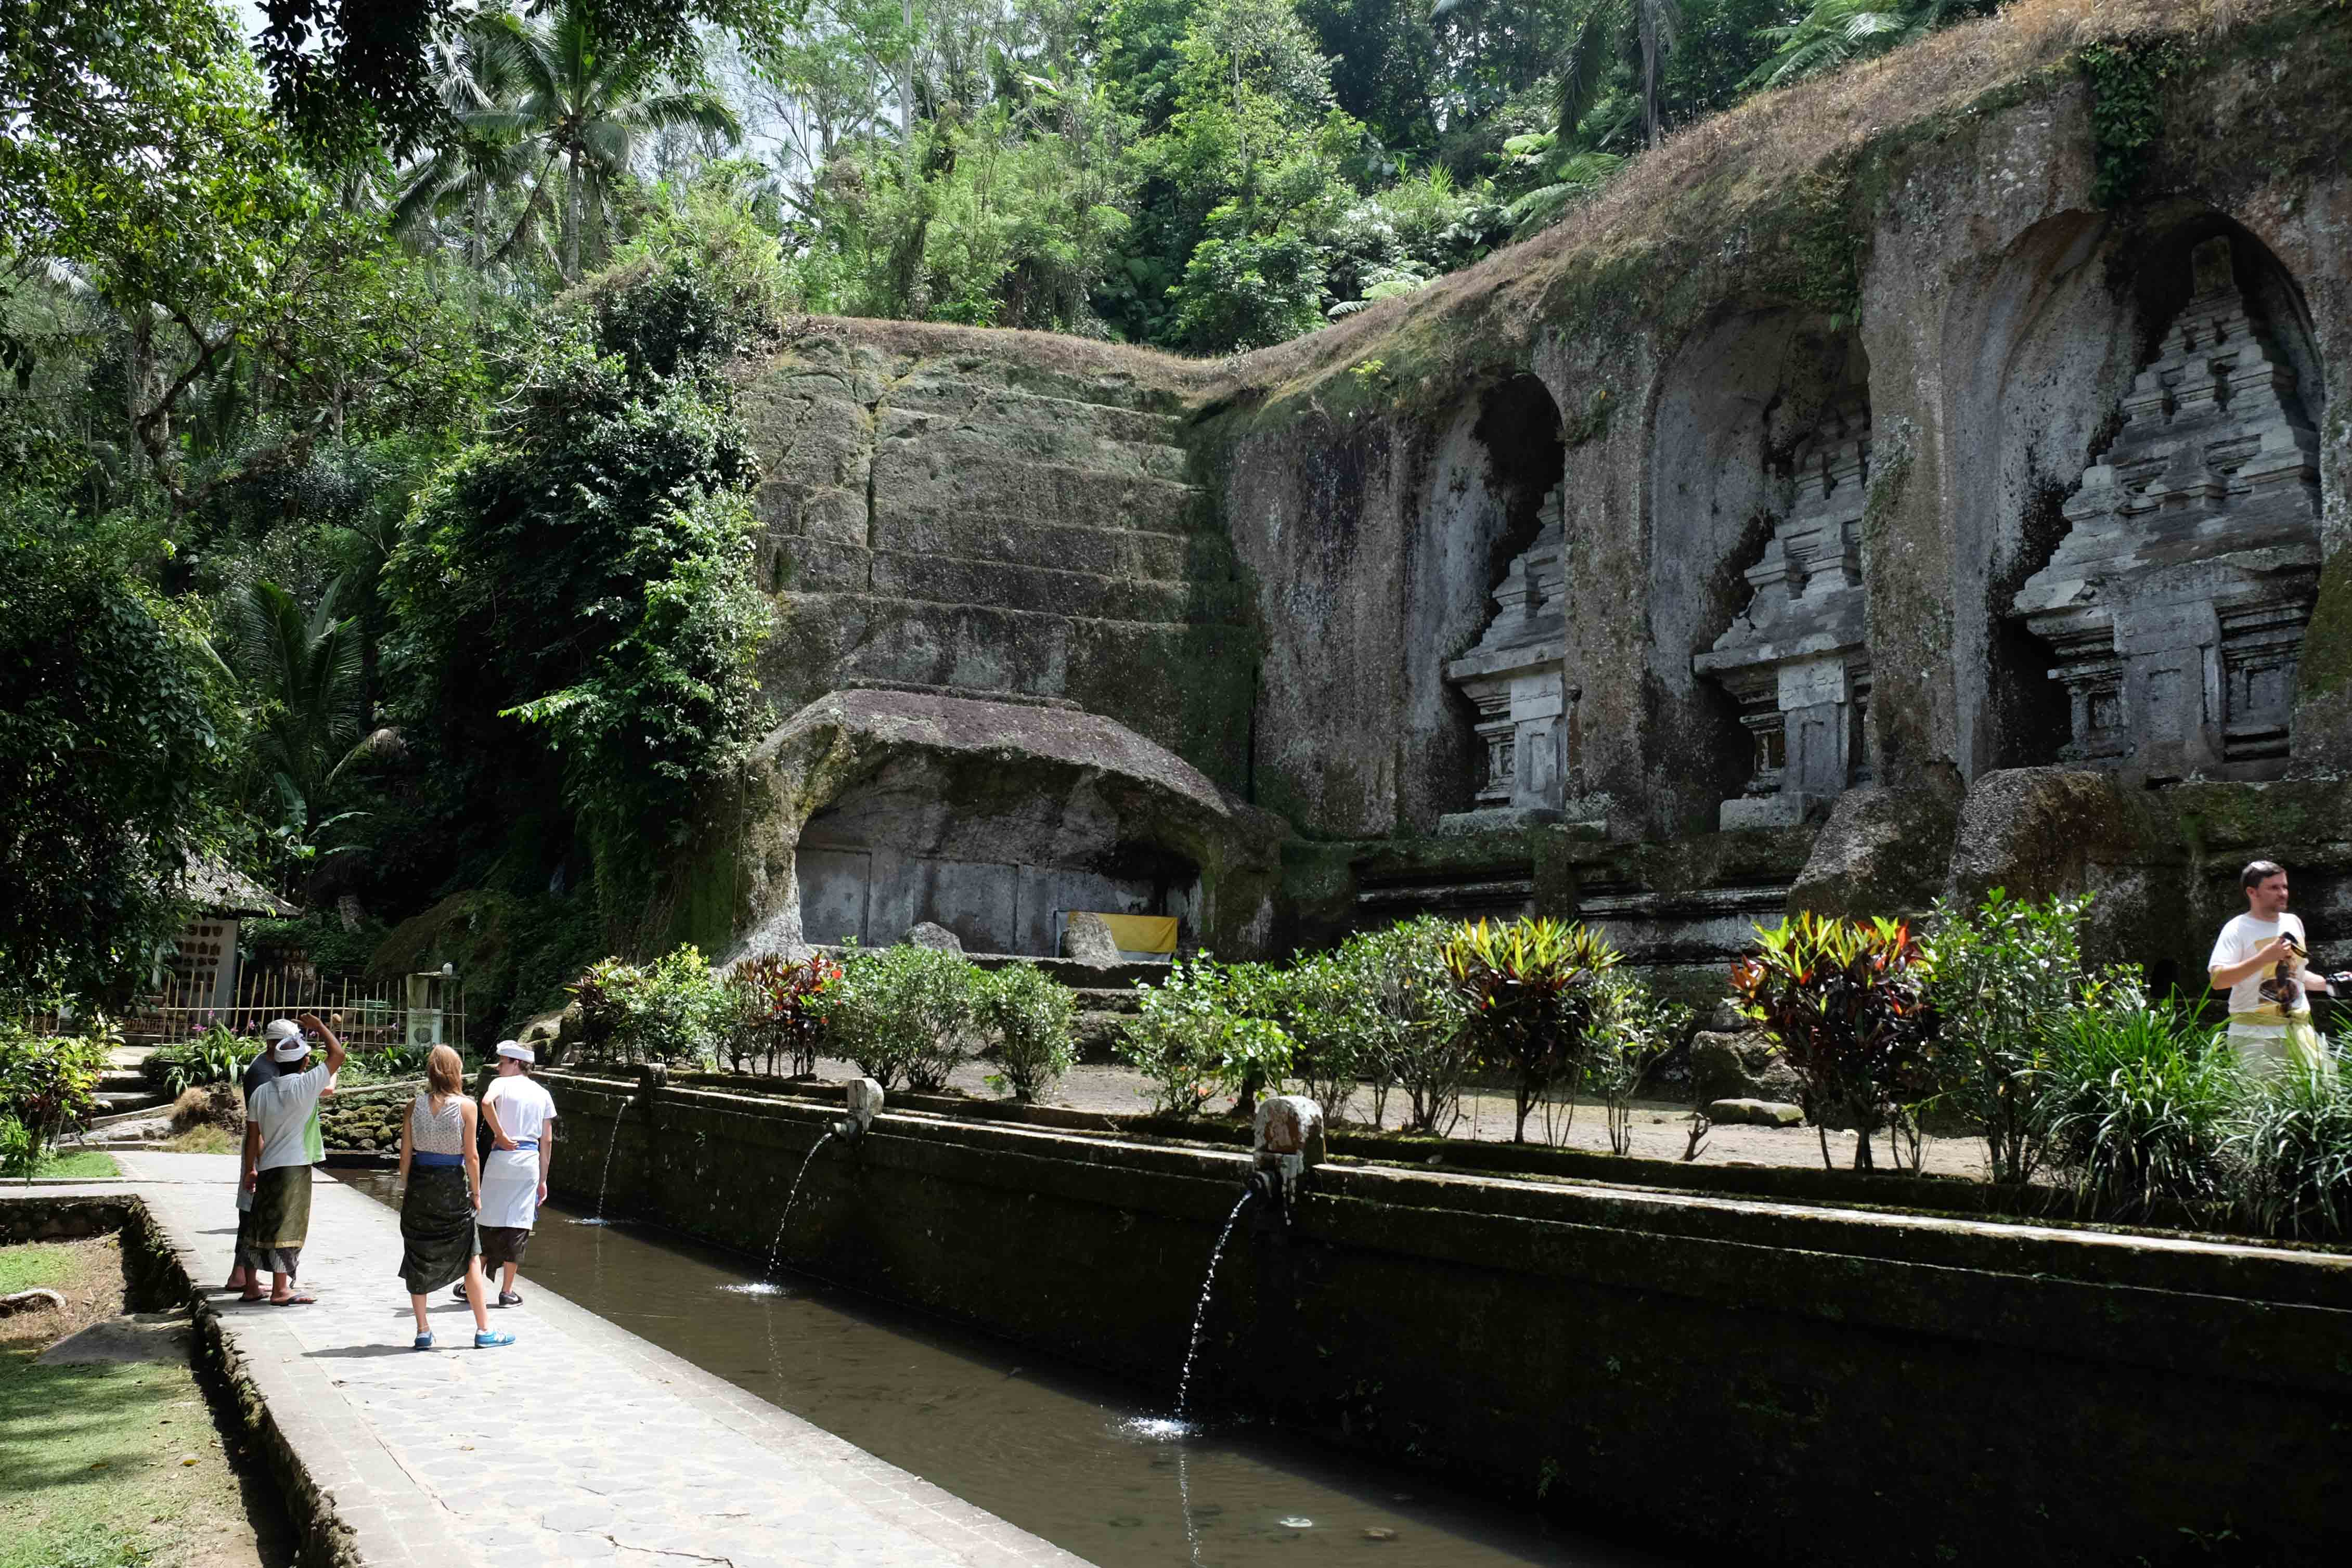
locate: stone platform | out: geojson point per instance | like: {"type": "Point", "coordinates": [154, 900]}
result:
{"type": "Point", "coordinates": [579, 1444]}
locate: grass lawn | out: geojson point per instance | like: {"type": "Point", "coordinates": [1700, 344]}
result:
{"type": "Point", "coordinates": [109, 1466]}
{"type": "Point", "coordinates": [78, 1164]}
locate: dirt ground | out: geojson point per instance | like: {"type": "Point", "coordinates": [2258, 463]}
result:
{"type": "Point", "coordinates": [110, 1456]}
{"type": "Point", "coordinates": [1660, 1130]}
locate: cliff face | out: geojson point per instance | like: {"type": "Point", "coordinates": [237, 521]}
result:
{"type": "Point", "coordinates": [1729, 505]}
{"type": "Point", "coordinates": [999, 514]}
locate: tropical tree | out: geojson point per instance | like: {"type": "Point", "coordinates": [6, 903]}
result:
{"type": "Point", "coordinates": [482, 156]}
{"type": "Point", "coordinates": [1836, 32]}
{"type": "Point", "coordinates": [306, 671]}
{"type": "Point", "coordinates": [1603, 34]}
{"type": "Point", "coordinates": [590, 105]}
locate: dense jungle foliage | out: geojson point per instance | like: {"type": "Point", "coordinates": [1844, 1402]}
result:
{"type": "Point", "coordinates": [373, 512]}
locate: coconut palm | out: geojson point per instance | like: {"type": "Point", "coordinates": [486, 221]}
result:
{"type": "Point", "coordinates": [587, 105]}
{"type": "Point", "coordinates": [1603, 32]}
{"type": "Point", "coordinates": [485, 158]}
{"type": "Point", "coordinates": [305, 674]}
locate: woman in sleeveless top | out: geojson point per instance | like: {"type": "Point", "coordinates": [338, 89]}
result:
{"type": "Point", "coordinates": [444, 1187]}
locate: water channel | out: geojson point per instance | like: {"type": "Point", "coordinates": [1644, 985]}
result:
{"type": "Point", "coordinates": [1052, 1450]}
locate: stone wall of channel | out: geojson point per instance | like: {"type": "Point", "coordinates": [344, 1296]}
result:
{"type": "Point", "coordinates": [1762, 1382]}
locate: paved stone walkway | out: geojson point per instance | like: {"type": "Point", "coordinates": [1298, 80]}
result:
{"type": "Point", "coordinates": [579, 1444]}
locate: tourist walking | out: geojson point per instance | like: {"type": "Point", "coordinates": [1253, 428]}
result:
{"type": "Point", "coordinates": [276, 1163]}
{"type": "Point", "coordinates": [520, 1117]}
{"type": "Point", "coordinates": [442, 1180]}
{"type": "Point", "coordinates": [2259, 960]}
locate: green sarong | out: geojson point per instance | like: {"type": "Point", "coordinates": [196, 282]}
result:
{"type": "Point", "coordinates": [271, 1236]}
{"type": "Point", "coordinates": [437, 1227]}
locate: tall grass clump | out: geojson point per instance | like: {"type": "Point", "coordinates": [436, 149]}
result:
{"type": "Point", "coordinates": [2288, 1152]}
{"type": "Point", "coordinates": [2141, 1099]}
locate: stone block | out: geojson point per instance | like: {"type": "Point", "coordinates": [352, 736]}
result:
{"type": "Point", "coordinates": [1788, 808]}
{"type": "Point", "coordinates": [1754, 1112]}
{"type": "Point", "coordinates": [926, 933]}
{"type": "Point", "coordinates": [1745, 1065]}
{"type": "Point", "coordinates": [1884, 849]}
{"type": "Point", "coordinates": [1087, 939]}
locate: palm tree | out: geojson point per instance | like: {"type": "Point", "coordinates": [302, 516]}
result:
{"type": "Point", "coordinates": [485, 157]}
{"type": "Point", "coordinates": [1600, 35]}
{"type": "Point", "coordinates": [588, 105]}
{"type": "Point", "coordinates": [1834, 32]}
{"type": "Point", "coordinates": [305, 672]}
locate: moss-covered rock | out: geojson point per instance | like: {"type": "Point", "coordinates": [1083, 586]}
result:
{"type": "Point", "coordinates": [513, 955]}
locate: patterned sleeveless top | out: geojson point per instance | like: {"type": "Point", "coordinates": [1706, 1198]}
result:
{"type": "Point", "coordinates": [444, 1133]}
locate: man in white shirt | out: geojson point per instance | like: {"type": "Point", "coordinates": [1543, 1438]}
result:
{"type": "Point", "coordinates": [277, 1159]}
{"type": "Point", "coordinates": [2259, 960]}
{"type": "Point", "coordinates": [519, 1115]}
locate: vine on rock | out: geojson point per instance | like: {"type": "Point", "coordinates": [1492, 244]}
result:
{"type": "Point", "coordinates": [2126, 81]}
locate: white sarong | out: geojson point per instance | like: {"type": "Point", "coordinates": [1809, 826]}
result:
{"type": "Point", "coordinates": [510, 1188]}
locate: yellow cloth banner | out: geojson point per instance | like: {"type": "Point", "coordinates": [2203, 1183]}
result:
{"type": "Point", "coordinates": [1142, 933]}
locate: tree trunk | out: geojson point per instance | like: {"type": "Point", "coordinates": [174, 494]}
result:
{"type": "Point", "coordinates": [572, 217]}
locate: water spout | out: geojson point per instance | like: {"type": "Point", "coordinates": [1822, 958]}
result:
{"type": "Point", "coordinates": [612, 1142]}
{"type": "Point", "coordinates": [1200, 1311]}
{"type": "Point", "coordinates": [862, 1097]}
{"type": "Point", "coordinates": [1289, 1139]}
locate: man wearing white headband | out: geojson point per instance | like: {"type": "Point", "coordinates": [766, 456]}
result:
{"type": "Point", "coordinates": [279, 1116]}
{"type": "Point", "coordinates": [521, 1118]}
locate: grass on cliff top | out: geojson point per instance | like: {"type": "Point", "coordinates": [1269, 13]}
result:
{"type": "Point", "coordinates": [1705, 176]}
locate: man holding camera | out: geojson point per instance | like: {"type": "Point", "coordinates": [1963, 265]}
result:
{"type": "Point", "coordinates": [2259, 960]}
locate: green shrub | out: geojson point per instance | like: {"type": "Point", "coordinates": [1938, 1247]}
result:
{"type": "Point", "coordinates": [2141, 1098]}
{"type": "Point", "coordinates": [2008, 976]}
{"type": "Point", "coordinates": [2288, 1152]}
{"type": "Point", "coordinates": [1632, 1028]}
{"type": "Point", "coordinates": [1201, 1031]}
{"type": "Point", "coordinates": [672, 1010]}
{"type": "Point", "coordinates": [1846, 1002]}
{"type": "Point", "coordinates": [1029, 1015]}
{"type": "Point", "coordinates": [1530, 989]}
{"type": "Point", "coordinates": [1412, 1020]}
{"type": "Point", "coordinates": [215, 1056]}
{"type": "Point", "coordinates": [900, 1014]}
{"type": "Point", "coordinates": [1320, 1004]}
{"type": "Point", "coordinates": [48, 1085]}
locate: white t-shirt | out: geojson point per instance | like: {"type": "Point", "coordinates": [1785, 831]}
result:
{"type": "Point", "coordinates": [524, 1108]}
{"type": "Point", "coordinates": [2243, 937]}
{"type": "Point", "coordinates": [281, 1109]}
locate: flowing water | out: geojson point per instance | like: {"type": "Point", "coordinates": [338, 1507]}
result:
{"type": "Point", "coordinates": [1063, 1453]}
{"type": "Point", "coordinates": [612, 1142]}
{"type": "Point", "coordinates": [776, 1247]}
{"type": "Point", "coordinates": [1201, 1309]}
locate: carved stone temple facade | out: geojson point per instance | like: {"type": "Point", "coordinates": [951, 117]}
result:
{"type": "Point", "coordinates": [2176, 603]}
{"type": "Point", "coordinates": [1797, 659]}
{"type": "Point", "coordinates": [1515, 679]}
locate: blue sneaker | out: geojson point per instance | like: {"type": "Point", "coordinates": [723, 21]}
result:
{"type": "Point", "coordinates": [425, 1342]}
{"type": "Point", "coordinates": [487, 1341]}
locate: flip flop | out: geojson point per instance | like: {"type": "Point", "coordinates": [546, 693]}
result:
{"type": "Point", "coordinates": [296, 1301]}
{"type": "Point", "coordinates": [255, 1296]}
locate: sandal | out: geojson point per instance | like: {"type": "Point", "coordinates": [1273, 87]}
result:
{"type": "Point", "coordinates": [488, 1340]}
{"type": "Point", "coordinates": [293, 1301]}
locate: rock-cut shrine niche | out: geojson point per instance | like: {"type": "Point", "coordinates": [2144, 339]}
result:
{"type": "Point", "coordinates": [1512, 677]}
{"type": "Point", "coordinates": [1797, 659]}
{"type": "Point", "coordinates": [2175, 605]}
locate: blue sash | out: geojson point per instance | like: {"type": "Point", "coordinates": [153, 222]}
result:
{"type": "Point", "coordinates": [433, 1161]}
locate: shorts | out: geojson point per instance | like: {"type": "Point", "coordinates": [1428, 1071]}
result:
{"type": "Point", "coordinates": [503, 1244]}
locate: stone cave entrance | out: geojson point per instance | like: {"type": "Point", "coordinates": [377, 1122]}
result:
{"type": "Point", "coordinates": [998, 868]}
